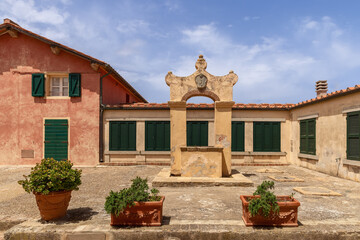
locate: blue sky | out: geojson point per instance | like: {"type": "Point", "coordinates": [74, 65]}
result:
{"type": "Point", "coordinates": [279, 49]}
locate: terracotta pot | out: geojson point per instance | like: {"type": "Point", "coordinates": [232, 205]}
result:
{"type": "Point", "coordinates": [54, 205]}
{"type": "Point", "coordinates": [141, 214]}
{"type": "Point", "coordinates": [287, 216]}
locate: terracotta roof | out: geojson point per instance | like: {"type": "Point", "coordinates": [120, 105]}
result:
{"type": "Point", "coordinates": [337, 93]}
{"type": "Point", "coordinates": [10, 25]}
{"type": "Point", "coordinates": [249, 106]}
{"type": "Point", "coordinates": [165, 106]}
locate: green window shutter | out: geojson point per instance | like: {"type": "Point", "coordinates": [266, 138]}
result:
{"type": "Point", "coordinates": [353, 136]}
{"type": "Point", "coordinates": [308, 136]}
{"type": "Point", "coordinates": [276, 136]}
{"type": "Point", "coordinates": [303, 137]}
{"type": "Point", "coordinates": [267, 137]}
{"type": "Point", "coordinates": [237, 136]}
{"type": "Point", "coordinates": [197, 133]}
{"type": "Point", "coordinates": [157, 136]}
{"type": "Point", "coordinates": [38, 85]}
{"type": "Point", "coordinates": [74, 84]}
{"type": "Point", "coordinates": [122, 136]}
{"type": "Point", "coordinates": [56, 139]}
{"type": "Point", "coordinates": [257, 135]}
{"type": "Point", "coordinates": [311, 127]}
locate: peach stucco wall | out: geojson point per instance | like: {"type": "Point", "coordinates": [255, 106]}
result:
{"type": "Point", "coordinates": [22, 116]}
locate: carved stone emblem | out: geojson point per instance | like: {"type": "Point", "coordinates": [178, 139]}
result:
{"type": "Point", "coordinates": [201, 81]}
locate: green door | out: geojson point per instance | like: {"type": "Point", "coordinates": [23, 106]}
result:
{"type": "Point", "coordinates": [197, 133]}
{"type": "Point", "coordinates": [56, 139]}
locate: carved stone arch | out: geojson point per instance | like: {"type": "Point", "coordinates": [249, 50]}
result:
{"type": "Point", "coordinates": [197, 93]}
{"type": "Point", "coordinates": [220, 90]}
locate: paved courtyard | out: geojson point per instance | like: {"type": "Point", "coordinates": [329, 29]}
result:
{"type": "Point", "coordinates": [189, 212]}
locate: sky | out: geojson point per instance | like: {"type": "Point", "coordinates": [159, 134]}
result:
{"type": "Point", "coordinates": [278, 48]}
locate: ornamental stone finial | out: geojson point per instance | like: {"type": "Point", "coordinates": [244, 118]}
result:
{"type": "Point", "coordinates": [201, 63]}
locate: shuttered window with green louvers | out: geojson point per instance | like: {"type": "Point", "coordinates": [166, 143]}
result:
{"type": "Point", "coordinates": [74, 84]}
{"type": "Point", "coordinates": [38, 85]}
{"type": "Point", "coordinates": [122, 136]}
{"type": "Point", "coordinates": [237, 136]}
{"type": "Point", "coordinates": [266, 136]}
{"type": "Point", "coordinates": [197, 133]}
{"type": "Point", "coordinates": [353, 136]}
{"type": "Point", "coordinates": [56, 139]}
{"type": "Point", "coordinates": [157, 136]}
{"type": "Point", "coordinates": [308, 136]}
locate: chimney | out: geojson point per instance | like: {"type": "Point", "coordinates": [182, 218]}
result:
{"type": "Point", "coordinates": [321, 88]}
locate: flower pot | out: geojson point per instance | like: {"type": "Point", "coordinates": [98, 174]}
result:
{"type": "Point", "coordinates": [54, 205]}
{"type": "Point", "coordinates": [287, 216]}
{"type": "Point", "coordinates": [141, 214]}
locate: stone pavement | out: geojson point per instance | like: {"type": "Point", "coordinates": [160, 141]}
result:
{"type": "Point", "coordinates": [189, 212]}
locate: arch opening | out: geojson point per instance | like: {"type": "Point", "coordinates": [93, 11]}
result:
{"type": "Point", "coordinates": [197, 93]}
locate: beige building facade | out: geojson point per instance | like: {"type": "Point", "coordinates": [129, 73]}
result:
{"type": "Point", "coordinates": [321, 134]}
{"type": "Point", "coordinates": [331, 133]}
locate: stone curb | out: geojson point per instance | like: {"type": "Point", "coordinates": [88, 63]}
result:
{"type": "Point", "coordinates": [140, 234]}
{"type": "Point", "coordinates": [45, 231]}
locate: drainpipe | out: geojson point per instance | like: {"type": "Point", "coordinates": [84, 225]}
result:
{"type": "Point", "coordinates": [101, 120]}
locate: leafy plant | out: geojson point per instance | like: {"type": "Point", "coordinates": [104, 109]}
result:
{"type": "Point", "coordinates": [266, 203]}
{"type": "Point", "coordinates": [116, 202]}
{"type": "Point", "coordinates": [51, 176]}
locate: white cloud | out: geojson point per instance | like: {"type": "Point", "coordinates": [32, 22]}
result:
{"type": "Point", "coordinates": [274, 69]}
{"type": "Point", "coordinates": [206, 37]}
{"type": "Point", "coordinates": [29, 12]}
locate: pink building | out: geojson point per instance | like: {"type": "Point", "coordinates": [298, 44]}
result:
{"type": "Point", "coordinates": [50, 104]}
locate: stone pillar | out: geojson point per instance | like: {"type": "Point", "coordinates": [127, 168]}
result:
{"type": "Point", "coordinates": [249, 137]}
{"type": "Point", "coordinates": [177, 134]}
{"type": "Point", "coordinates": [223, 113]}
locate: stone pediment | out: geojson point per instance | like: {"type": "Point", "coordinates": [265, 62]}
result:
{"type": "Point", "coordinates": [201, 83]}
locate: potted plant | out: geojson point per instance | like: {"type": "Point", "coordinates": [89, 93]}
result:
{"type": "Point", "coordinates": [263, 208]}
{"type": "Point", "coordinates": [51, 182]}
{"type": "Point", "coordinates": [135, 205]}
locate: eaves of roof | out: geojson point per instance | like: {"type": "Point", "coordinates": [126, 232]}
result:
{"type": "Point", "coordinates": [328, 96]}
{"type": "Point", "coordinates": [195, 106]}
{"type": "Point", "coordinates": [10, 25]}
{"type": "Point", "coordinates": [237, 106]}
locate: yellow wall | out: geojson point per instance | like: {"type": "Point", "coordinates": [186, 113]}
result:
{"type": "Point", "coordinates": [330, 136]}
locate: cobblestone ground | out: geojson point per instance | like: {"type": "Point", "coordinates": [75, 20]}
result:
{"type": "Point", "coordinates": [186, 205]}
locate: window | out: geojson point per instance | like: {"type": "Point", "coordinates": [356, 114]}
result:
{"type": "Point", "coordinates": [237, 136]}
{"type": "Point", "coordinates": [59, 86]}
{"type": "Point", "coordinates": [197, 133]}
{"type": "Point", "coordinates": [308, 136]}
{"type": "Point", "coordinates": [266, 136]}
{"type": "Point", "coordinates": [122, 136]}
{"type": "Point", "coordinates": [353, 136]}
{"type": "Point", "coordinates": [157, 136]}
{"type": "Point", "coordinates": [56, 84]}
{"type": "Point", "coordinates": [127, 98]}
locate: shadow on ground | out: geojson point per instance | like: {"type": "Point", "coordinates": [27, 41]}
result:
{"type": "Point", "coordinates": [74, 215]}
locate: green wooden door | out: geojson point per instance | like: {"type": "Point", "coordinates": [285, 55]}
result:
{"type": "Point", "coordinates": [197, 133]}
{"type": "Point", "coordinates": [56, 139]}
